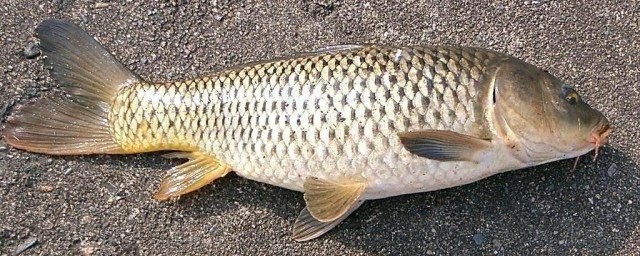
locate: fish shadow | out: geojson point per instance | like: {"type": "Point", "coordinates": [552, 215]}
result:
{"type": "Point", "coordinates": [549, 208]}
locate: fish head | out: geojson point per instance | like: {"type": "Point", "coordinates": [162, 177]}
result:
{"type": "Point", "coordinates": [543, 118]}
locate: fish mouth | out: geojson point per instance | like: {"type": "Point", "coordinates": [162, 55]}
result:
{"type": "Point", "coordinates": [600, 136]}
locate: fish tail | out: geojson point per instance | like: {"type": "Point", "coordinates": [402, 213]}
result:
{"type": "Point", "coordinates": [75, 122]}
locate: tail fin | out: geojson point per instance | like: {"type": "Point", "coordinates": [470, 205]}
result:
{"type": "Point", "coordinates": [76, 122]}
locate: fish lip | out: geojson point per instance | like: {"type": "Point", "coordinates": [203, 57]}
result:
{"type": "Point", "coordinates": [600, 136]}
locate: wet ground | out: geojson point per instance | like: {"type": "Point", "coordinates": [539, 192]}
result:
{"type": "Point", "coordinates": [102, 205]}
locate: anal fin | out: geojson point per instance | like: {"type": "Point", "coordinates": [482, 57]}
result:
{"type": "Point", "coordinates": [200, 170]}
{"type": "Point", "coordinates": [328, 200]}
{"type": "Point", "coordinates": [307, 227]}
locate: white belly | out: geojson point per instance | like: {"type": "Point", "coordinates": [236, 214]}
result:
{"type": "Point", "coordinates": [388, 174]}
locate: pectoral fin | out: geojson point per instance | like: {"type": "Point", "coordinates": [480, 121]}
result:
{"type": "Point", "coordinates": [200, 170]}
{"type": "Point", "coordinates": [444, 145]}
{"type": "Point", "coordinates": [329, 200]}
{"type": "Point", "coordinates": [307, 227]}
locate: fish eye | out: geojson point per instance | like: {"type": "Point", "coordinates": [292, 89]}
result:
{"type": "Point", "coordinates": [570, 95]}
{"type": "Point", "coordinates": [572, 98]}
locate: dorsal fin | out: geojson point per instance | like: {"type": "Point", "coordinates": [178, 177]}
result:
{"type": "Point", "coordinates": [339, 48]}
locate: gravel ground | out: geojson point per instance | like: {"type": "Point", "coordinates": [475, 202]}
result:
{"type": "Point", "coordinates": [102, 205]}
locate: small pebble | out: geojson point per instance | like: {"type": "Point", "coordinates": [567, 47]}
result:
{"type": "Point", "coordinates": [46, 188]}
{"type": "Point", "coordinates": [101, 5]}
{"type": "Point", "coordinates": [218, 17]}
{"type": "Point", "coordinates": [479, 239]}
{"type": "Point", "coordinates": [613, 170]}
{"type": "Point", "coordinates": [31, 241]}
{"type": "Point", "coordinates": [88, 251]}
{"type": "Point", "coordinates": [85, 220]}
{"type": "Point", "coordinates": [31, 51]}
{"type": "Point", "coordinates": [496, 244]}
{"type": "Point", "coordinates": [112, 189]}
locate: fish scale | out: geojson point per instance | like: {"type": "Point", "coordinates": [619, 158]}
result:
{"type": "Point", "coordinates": [335, 114]}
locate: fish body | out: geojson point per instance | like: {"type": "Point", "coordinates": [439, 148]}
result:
{"type": "Point", "coordinates": [329, 114]}
{"type": "Point", "coordinates": [343, 124]}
